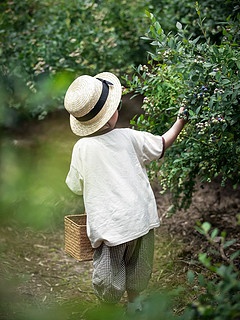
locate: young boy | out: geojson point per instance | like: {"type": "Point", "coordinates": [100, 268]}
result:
{"type": "Point", "coordinates": [108, 169]}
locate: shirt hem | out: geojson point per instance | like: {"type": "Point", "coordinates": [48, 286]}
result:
{"type": "Point", "coordinates": [133, 237]}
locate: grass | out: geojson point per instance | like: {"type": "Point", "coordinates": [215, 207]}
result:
{"type": "Point", "coordinates": [41, 276]}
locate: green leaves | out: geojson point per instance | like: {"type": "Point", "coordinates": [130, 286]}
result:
{"type": "Point", "coordinates": [206, 261]}
{"type": "Point", "coordinates": [203, 228]}
{"type": "Point", "coordinates": [151, 16]}
{"type": "Point", "coordinates": [202, 77]}
{"type": "Point", "coordinates": [190, 276]}
{"type": "Point", "coordinates": [229, 243]}
{"type": "Point", "coordinates": [158, 28]}
{"type": "Point", "coordinates": [179, 25]}
{"type": "Point", "coordinates": [214, 233]}
{"type": "Point", "coordinates": [206, 226]}
{"type": "Point", "coordinates": [235, 255]}
{"type": "Point", "coordinates": [218, 290]}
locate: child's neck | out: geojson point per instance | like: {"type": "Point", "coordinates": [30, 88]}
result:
{"type": "Point", "coordinates": [106, 128]}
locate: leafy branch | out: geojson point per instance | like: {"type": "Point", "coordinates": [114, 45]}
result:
{"type": "Point", "coordinates": [197, 7]}
{"type": "Point", "coordinates": [219, 243]}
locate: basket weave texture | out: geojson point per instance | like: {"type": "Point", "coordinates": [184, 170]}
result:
{"type": "Point", "coordinates": [77, 243]}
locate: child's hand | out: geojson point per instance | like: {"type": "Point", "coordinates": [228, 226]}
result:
{"type": "Point", "coordinates": [183, 114]}
{"type": "Point", "coordinates": [171, 135]}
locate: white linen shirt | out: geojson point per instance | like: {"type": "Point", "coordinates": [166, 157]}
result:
{"type": "Point", "coordinates": [109, 171]}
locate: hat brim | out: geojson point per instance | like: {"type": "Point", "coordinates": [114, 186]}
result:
{"type": "Point", "coordinates": [114, 96]}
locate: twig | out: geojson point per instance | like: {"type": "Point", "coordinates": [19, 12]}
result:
{"type": "Point", "coordinates": [201, 21]}
{"type": "Point", "coordinates": [190, 263]}
{"type": "Point", "coordinates": [87, 292]}
{"type": "Point", "coordinates": [48, 283]}
{"type": "Point", "coordinates": [221, 250]}
{"type": "Point", "coordinates": [52, 276]}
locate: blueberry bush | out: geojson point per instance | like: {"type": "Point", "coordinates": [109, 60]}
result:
{"type": "Point", "coordinates": [204, 78]}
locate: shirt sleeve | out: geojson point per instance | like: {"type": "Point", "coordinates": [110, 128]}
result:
{"type": "Point", "coordinates": [153, 147]}
{"type": "Point", "coordinates": [74, 181]}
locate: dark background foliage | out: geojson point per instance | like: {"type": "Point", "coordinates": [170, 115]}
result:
{"type": "Point", "coordinates": [45, 44]}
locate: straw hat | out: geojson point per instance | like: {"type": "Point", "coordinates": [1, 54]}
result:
{"type": "Point", "coordinates": [91, 102]}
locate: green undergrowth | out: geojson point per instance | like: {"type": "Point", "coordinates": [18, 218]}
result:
{"type": "Point", "coordinates": [40, 281]}
{"type": "Point", "coordinates": [41, 277]}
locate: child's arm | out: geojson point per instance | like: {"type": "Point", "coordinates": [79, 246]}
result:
{"type": "Point", "coordinates": [171, 135]}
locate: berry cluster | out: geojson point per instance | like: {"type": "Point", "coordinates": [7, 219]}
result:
{"type": "Point", "coordinates": [204, 127]}
{"type": "Point", "coordinates": [202, 94]}
{"type": "Point", "coordinates": [184, 115]}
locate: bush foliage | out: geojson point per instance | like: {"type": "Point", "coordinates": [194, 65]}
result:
{"type": "Point", "coordinates": [204, 78]}
{"type": "Point", "coordinates": [45, 44]}
{"type": "Point", "coordinates": [219, 293]}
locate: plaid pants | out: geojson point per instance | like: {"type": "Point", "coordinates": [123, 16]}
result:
{"type": "Point", "coordinates": [127, 266]}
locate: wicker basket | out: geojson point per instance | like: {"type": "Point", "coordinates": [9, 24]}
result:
{"type": "Point", "coordinates": [77, 243]}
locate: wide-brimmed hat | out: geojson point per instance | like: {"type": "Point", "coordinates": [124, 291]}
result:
{"type": "Point", "coordinates": [91, 102]}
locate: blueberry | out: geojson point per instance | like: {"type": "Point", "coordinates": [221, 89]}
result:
{"type": "Point", "coordinates": [205, 89]}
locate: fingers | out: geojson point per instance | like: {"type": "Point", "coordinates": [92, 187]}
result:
{"type": "Point", "coordinates": [183, 114]}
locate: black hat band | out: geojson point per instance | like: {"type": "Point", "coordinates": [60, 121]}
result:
{"type": "Point", "coordinates": [100, 103]}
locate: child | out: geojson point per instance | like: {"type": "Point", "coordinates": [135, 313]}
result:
{"type": "Point", "coordinates": [108, 169]}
